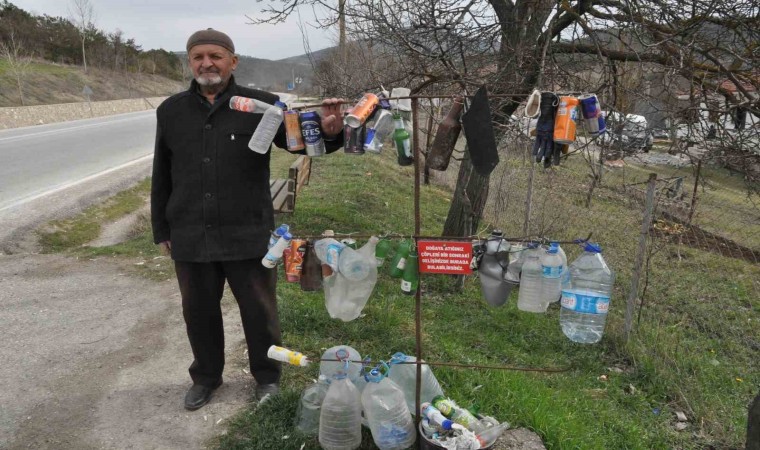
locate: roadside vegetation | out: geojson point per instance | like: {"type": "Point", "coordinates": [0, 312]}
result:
{"type": "Point", "coordinates": [695, 349]}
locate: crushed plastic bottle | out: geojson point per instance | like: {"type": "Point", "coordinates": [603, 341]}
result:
{"type": "Point", "coordinates": [310, 407]}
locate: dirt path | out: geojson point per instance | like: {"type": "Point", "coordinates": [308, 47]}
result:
{"type": "Point", "coordinates": [93, 356]}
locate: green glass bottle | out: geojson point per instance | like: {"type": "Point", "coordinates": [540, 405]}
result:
{"type": "Point", "coordinates": [399, 260]}
{"type": "Point", "coordinates": [381, 251]}
{"type": "Point", "coordinates": [411, 277]}
{"type": "Point", "coordinates": [403, 142]}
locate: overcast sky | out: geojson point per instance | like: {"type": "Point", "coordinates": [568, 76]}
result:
{"type": "Point", "coordinates": [168, 23]}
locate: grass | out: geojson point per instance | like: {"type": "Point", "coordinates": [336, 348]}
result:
{"type": "Point", "coordinates": [695, 349]}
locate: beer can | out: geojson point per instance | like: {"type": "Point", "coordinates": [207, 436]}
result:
{"type": "Point", "coordinates": [293, 131]}
{"type": "Point", "coordinates": [312, 133]}
{"type": "Point", "coordinates": [362, 110]}
{"type": "Point", "coordinates": [294, 263]}
{"type": "Point", "coordinates": [353, 140]}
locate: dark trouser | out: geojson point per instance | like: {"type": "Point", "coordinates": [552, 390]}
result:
{"type": "Point", "coordinates": [253, 285]}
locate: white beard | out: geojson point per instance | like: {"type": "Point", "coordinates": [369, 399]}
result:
{"type": "Point", "coordinates": [209, 79]}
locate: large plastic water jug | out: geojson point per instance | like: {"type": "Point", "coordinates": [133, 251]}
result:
{"type": "Point", "coordinates": [338, 355]}
{"type": "Point", "coordinates": [405, 376]}
{"type": "Point", "coordinates": [340, 426]}
{"type": "Point", "coordinates": [387, 414]}
{"type": "Point", "coordinates": [586, 297]}
{"type": "Point", "coordinates": [310, 407]}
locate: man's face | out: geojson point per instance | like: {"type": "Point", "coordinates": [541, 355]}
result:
{"type": "Point", "coordinates": [212, 65]}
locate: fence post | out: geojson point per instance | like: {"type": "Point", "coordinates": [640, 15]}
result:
{"type": "Point", "coordinates": [645, 224]}
{"type": "Point", "coordinates": [694, 194]}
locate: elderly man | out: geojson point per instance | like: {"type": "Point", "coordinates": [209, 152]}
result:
{"type": "Point", "coordinates": [211, 209]}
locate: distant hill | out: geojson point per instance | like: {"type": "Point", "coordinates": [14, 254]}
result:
{"type": "Point", "coordinates": [275, 75]}
{"type": "Point", "coordinates": [49, 83]}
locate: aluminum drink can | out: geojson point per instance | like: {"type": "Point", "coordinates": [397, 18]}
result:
{"type": "Point", "coordinates": [353, 140]}
{"type": "Point", "coordinates": [294, 263]}
{"type": "Point", "coordinates": [362, 110]}
{"type": "Point", "coordinates": [293, 131]}
{"type": "Point", "coordinates": [312, 133]}
{"type": "Point", "coordinates": [591, 112]}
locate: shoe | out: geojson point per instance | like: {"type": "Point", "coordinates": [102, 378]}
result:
{"type": "Point", "coordinates": [266, 391]}
{"type": "Point", "coordinates": [199, 395]}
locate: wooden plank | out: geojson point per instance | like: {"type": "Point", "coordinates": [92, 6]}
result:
{"type": "Point", "coordinates": [281, 197]}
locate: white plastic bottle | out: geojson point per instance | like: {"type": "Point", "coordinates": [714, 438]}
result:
{"type": "Point", "coordinates": [529, 298]}
{"type": "Point", "coordinates": [551, 273]}
{"type": "Point", "coordinates": [379, 131]}
{"type": "Point", "coordinates": [387, 413]}
{"type": "Point", "coordinates": [586, 297]}
{"type": "Point", "coordinates": [267, 129]}
{"type": "Point", "coordinates": [340, 426]}
{"type": "Point", "coordinates": [435, 417]}
{"type": "Point", "coordinates": [405, 376]}
{"type": "Point", "coordinates": [310, 407]}
{"type": "Point", "coordinates": [282, 229]}
{"type": "Point", "coordinates": [274, 255]}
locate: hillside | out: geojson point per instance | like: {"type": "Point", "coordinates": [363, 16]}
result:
{"type": "Point", "coordinates": [48, 83]}
{"type": "Point", "coordinates": [275, 75]}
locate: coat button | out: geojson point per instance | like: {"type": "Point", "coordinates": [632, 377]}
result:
{"type": "Point", "coordinates": [208, 195]}
{"type": "Point", "coordinates": [207, 160]}
{"type": "Point", "coordinates": [208, 126]}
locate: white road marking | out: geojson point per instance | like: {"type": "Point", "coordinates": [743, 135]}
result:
{"type": "Point", "coordinates": [64, 130]}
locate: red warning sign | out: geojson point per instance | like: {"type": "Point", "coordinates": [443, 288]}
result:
{"type": "Point", "coordinates": [447, 257]}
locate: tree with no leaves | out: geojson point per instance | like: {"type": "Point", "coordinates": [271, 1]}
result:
{"type": "Point", "coordinates": [513, 46]}
{"type": "Point", "coordinates": [18, 61]}
{"type": "Point", "coordinates": [83, 17]}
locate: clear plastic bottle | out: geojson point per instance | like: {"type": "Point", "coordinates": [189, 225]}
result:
{"type": "Point", "coordinates": [328, 251]}
{"type": "Point", "coordinates": [378, 132]}
{"type": "Point", "coordinates": [340, 353]}
{"type": "Point", "coordinates": [355, 266]}
{"type": "Point", "coordinates": [551, 273]}
{"type": "Point", "coordinates": [586, 297]}
{"type": "Point", "coordinates": [310, 407]}
{"type": "Point", "coordinates": [491, 270]}
{"type": "Point", "coordinates": [529, 298]}
{"type": "Point", "coordinates": [405, 376]}
{"type": "Point", "coordinates": [387, 413]}
{"type": "Point", "coordinates": [350, 296]}
{"type": "Point", "coordinates": [274, 255]}
{"type": "Point", "coordinates": [340, 425]}
{"type": "Point", "coordinates": [267, 129]}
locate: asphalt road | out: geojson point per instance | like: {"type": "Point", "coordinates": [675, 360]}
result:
{"type": "Point", "coordinates": [43, 159]}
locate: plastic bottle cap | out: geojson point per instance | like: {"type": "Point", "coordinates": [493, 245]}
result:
{"type": "Point", "coordinates": [533, 245]}
{"type": "Point", "coordinates": [280, 104]}
{"type": "Point", "coordinates": [497, 232]}
{"type": "Point", "coordinates": [553, 250]}
{"type": "Point", "coordinates": [592, 248]}
{"type": "Point", "coordinates": [287, 236]}
{"type": "Point", "coordinates": [328, 233]}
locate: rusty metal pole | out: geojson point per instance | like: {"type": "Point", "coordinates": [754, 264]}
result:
{"type": "Point", "coordinates": [417, 299]}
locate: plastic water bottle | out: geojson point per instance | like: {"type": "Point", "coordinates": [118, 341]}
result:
{"type": "Point", "coordinates": [491, 270]}
{"type": "Point", "coordinates": [457, 414]}
{"type": "Point", "coordinates": [287, 356]}
{"type": "Point", "coordinates": [266, 129]}
{"type": "Point", "coordinates": [565, 272]}
{"type": "Point", "coordinates": [489, 435]}
{"type": "Point", "coordinates": [529, 298]}
{"type": "Point", "coordinates": [405, 376]}
{"type": "Point", "coordinates": [551, 274]}
{"type": "Point", "coordinates": [387, 414]}
{"type": "Point", "coordinates": [435, 417]}
{"type": "Point", "coordinates": [341, 353]}
{"type": "Point", "coordinates": [355, 266]}
{"type": "Point", "coordinates": [274, 255]}
{"type": "Point", "coordinates": [586, 297]}
{"type": "Point", "coordinates": [379, 131]}
{"type": "Point", "coordinates": [328, 251]}
{"type": "Point", "coordinates": [340, 425]}
{"type": "Point", "coordinates": [282, 229]}
{"type": "Point", "coordinates": [310, 407]}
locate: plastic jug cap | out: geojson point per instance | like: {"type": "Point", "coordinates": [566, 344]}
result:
{"type": "Point", "coordinates": [592, 248]}
{"type": "Point", "coordinates": [328, 233]}
{"type": "Point", "coordinates": [552, 249]}
{"type": "Point", "coordinates": [398, 358]}
{"type": "Point", "coordinates": [374, 376]}
{"type": "Point", "coordinates": [497, 232]}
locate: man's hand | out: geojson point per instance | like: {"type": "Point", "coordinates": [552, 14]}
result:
{"type": "Point", "coordinates": [165, 248]}
{"type": "Point", "coordinates": [332, 122]}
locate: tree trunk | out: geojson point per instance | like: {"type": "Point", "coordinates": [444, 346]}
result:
{"type": "Point", "coordinates": [84, 57]}
{"type": "Point", "coordinates": [469, 200]}
{"type": "Point", "coordinates": [20, 89]}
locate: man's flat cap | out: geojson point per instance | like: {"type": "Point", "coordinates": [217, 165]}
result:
{"type": "Point", "coordinates": [210, 36]}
